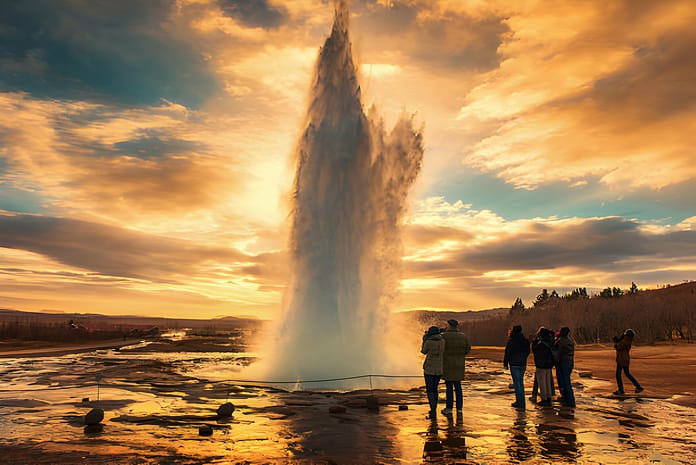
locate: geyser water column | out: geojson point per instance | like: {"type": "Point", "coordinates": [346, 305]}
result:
{"type": "Point", "coordinates": [349, 195]}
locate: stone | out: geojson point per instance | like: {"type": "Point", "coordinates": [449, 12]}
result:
{"type": "Point", "coordinates": [225, 410]}
{"type": "Point", "coordinates": [94, 429]}
{"type": "Point", "coordinates": [372, 403]}
{"type": "Point", "coordinates": [337, 409]}
{"type": "Point", "coordinates": [94, 416]}
{"type": "Point", "coordinates": [585, 374]}
{"type": "Point", "coordinates": [403, 407]}
{"type": "Point", "coordinates": [205, 430]}
{"type": "Point", "coordinates": [432, 446]}
{"type": "Point", "coordinates": [85, 400]}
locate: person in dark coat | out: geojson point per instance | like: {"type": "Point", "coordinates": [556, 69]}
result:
{"type": "Point", "coordinates": [542, 347]}
{"type": "Point", "coordinates": [623, 360]}
{"type": "Point", "coordinates": [516, 353]}
{"type": "Point", "coordinates": [456, 348]}
{"type": "Point", "coordinates": [565, 347]}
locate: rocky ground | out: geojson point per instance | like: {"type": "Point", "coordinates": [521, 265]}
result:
{"type": "Point", "coordinates": [156, 403]}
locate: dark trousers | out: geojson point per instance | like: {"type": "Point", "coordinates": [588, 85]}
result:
{"type": "Point", "coordinates": [431, 382]}
{"type": "Point", "coordinates": [517, 373]}
{"type": "Point", "coordinates": [451, 396]}
{"type": "Point", "coordinates": [564, 370]}
{"type": "Point", "coordinates": [619, 381]}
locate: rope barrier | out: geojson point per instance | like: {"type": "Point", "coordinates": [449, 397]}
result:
{"type": "Point", "coordinates": [240, 381]}
{"type": "Point", "coordinates": [307, 381]}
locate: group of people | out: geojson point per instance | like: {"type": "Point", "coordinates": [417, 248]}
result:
{"type": "Point", "coordinates": [445, 358]}
{"type": "Point", "coordinates": [446, 349]}
{"type": "Point", "coordinates": [549, 350]}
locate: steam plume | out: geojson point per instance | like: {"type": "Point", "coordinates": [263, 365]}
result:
{"type": "Point", "coordinates": [350, 189]}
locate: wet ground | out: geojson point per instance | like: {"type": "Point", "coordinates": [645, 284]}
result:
{"type": "Point", "coordinates": [155, 403]}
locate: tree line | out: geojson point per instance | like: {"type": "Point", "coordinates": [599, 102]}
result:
{"type": "Point", "coordinates": [665, 314]}
{"type": "Point", "coordinates": [31, 329]}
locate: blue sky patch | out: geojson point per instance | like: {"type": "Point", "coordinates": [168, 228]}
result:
{"type": "Point", "coordinates": [115, 52]}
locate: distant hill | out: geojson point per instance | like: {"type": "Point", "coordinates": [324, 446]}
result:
{"type": "Point", "coordinates": [15, 324]}
{"type": "Point", "coordinates": [667, 313]}
{"type": "Point", "coordinates": [438, 317]}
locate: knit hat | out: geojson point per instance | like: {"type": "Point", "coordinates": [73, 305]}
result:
{"type": "Point", "coordinates": [433, 330]}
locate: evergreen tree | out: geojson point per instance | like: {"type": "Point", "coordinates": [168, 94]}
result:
{"type": "Point", "coordinates": [518, 305]}
{"type": "Point", "coordinates": [542, 298]}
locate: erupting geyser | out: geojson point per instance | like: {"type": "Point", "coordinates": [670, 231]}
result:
{"type": "Point", "coordinates": [349, 196]}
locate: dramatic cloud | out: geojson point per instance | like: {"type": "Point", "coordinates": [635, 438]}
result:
{"type": "Point", "coordinates": [451, 248]}
{"type": "Point", "coordinates": [109, 250]}
{"type": "Point", "coordinates": [596, 91]}
{"type": "Point", "coordinates": [258, 13]}
{"type": "Point", "coordinates": [145, 147]}
{"type": "Point", "coordinates": [449, 40]}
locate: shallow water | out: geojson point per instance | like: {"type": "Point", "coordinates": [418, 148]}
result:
{"type": "Point", "coordinates": [154, 404]}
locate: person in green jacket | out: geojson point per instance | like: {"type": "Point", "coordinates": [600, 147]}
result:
{"type": "Point", "coordinates": [456, 348]}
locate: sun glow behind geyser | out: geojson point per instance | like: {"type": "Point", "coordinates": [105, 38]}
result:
{"type": "Point", "coordinates": [349, 196]}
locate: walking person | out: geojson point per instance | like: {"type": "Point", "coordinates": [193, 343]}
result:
{"type": "Point", "coordinates": [565, 347]}
{"type": "Point", "coordinates": [516, 353]}
{"type": "Point", "coordinates": [456, 348]}
{"type": "Point", "coordinates": [542, 347]}
{"type": "Point", "coordinates": [623, 360]}
{"type": "Point", "coordinates": [433, 347]}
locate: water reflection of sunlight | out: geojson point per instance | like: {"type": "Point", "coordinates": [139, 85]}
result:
{"type": "Point", "coordinates": [154, 407]}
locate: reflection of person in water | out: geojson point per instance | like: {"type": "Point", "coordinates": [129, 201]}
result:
{"type": "Point", "coordinates": [623, 359]}
{"type": "Point", "coordinates": [557, 442]}
{"type": "Point", "coordinates": [433, 347]}
{"type": "Point", "coordinates": [432, 447]}
{"type": "Point", "coordinates": [519, 447]}
{"type": "Point", "coordinates": [455, 440]}
{"type": "Point", "coordinates": [449, 449]}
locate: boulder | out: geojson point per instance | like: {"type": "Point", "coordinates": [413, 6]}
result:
{"type": "Point", "coordinates": [205, 430]}
{"type": "Point", "coordinates": [403, 407]}
{"type": "Point", "coordinates": [94, 416]}
{"type": "Point", "coordinates": [337, 409]}
{"type": "Point", "coordinates": [94, 429]}
{"type": "Point", "coordinates": [225, 410]}
{"type": "Point", "coordinates": [585, 374]}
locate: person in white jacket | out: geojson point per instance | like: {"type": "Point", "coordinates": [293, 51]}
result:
{"type": "Point", "coordinates": [433, 347]}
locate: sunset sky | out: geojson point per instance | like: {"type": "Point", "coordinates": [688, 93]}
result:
{"type": "Point", "coordinates": [146, 147]}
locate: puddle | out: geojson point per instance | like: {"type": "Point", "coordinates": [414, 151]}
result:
{"type": "Point", "coordinates": [155, 404]}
